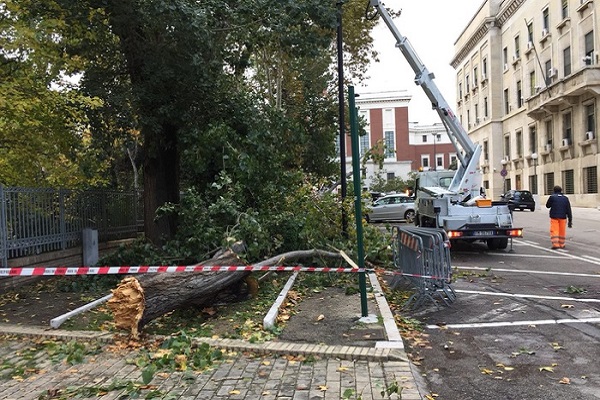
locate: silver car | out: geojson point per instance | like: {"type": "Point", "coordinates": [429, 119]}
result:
{"type": "Point", "coordinates": [393, 207]}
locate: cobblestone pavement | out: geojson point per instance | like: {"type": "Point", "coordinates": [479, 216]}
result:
{"type": "Point", "coordinates": [254, 371]}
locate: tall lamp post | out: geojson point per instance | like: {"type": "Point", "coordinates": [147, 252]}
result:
{"type": "Point", "coordinates": [503, 173]}
{"type": "Point", "coordinates": [534, 157]}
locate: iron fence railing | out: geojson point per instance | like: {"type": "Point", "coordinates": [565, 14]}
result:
{"type": "Point", "coordinates": [39, 220]}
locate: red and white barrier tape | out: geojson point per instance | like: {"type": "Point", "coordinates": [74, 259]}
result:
{"type": "Point", "coordinates": [149, 269]}
{"type": "Point", "coordinates": [144, 269]}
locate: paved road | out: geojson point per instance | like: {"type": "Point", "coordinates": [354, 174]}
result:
{"type": "Point", "coordinates": [526, 324]}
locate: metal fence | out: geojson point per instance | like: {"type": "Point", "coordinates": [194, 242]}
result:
{"type": "Point", "coordinates": [38, 220]}
{"type": "Point", "coordinates": [423, 257]}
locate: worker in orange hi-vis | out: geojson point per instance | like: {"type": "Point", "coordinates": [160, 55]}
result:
{"type": "Point", "coordinates": [560, 211]}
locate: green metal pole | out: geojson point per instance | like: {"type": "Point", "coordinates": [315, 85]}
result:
{"type": "Point", "coordinates": [362, 279]}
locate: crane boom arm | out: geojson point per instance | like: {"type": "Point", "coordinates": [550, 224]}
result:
{"type": "Point", "coordinates": [466, 180]}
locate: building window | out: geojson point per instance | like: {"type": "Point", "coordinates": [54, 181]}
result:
{"type": "Point", "coordinates": [532, 89]}
{"type": "Point", "coordinates": [390, 148]}
{"type": "Point", "coordinates": [567, 129]}
{"type": "Point", "coordinates": [425, 161]}
{"type": "Point", "coordinates": [439, 161]}
{"type": "Point", "coordinates": [453, 159]}
{"type": "Point", "coordinates": [391, 176]}
{"type": "Point", "coordinates": [476, 113]}
{"type": "Point", "coordinates": [549, 183]}
{"type": "Point", "coordinates": [469, 119]}
{"type": "Point", "coordinates": [486, 151]}
{"type": "Point", "coordinates": [546, 20]}
{"type": "Point", "coordinates": [364, 145]}
{"type": "Point", "coordinates": [548, 71]}
{"type": "Point", "coordinates": [424, 138]}
{"type": "Point", "coordinates": [567, 61]}
{"type": "Point", "coordinates": [519, 95]}
{"type": "Point", "coordinates": [507, 147]}
{"type": "Point", "coordinates": [590, 118]}
{"type": "Point", "coordinates": [568, 181]}
{"type": "Point", "coordinates": [589, 48]}
{"type": "Point", "coordinates": [506, 108]}
{"type": "Point", "coordinates": [519, 138]}
{"type": "Point", "coordinates": [505, 57]}
{"type": "Point", "coordinates": [485, 107]}
{"type": "Point", "coordinates": [533, 184]}
{"type": "Point", "coordinates": [460, 91]}
{"type": "Point", "coordinates": [467, 83]}
{"type": "Point", "coordinates": [507, 184]}
{"type": "Point", "coordinates": [484, 67]}
{"type": "Point", "coordinates": [549, 134]}
{"type": "Point", "coordinates": [532, 140]}
{"type": "Point", "coordinates": [590, 180]}
{"type": "Point", "coordinates": [530, 32]}
{"type": "Point", "coordinates": [565, 9]}
{"type": "Point", "coordinates": [517, 48]}
{"type": "Point", "coordinates": [475, 78]}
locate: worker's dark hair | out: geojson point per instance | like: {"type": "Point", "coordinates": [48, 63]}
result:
{"type": "Point", "coordinates": [557, 189]}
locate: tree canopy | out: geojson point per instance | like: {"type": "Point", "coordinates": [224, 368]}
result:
{"type": "Point", "coordinates": [236, 95]}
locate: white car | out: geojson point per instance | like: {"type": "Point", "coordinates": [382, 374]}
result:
{"type": "Point", "coordinates": [393, 207]}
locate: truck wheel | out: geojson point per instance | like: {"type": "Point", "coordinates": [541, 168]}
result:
{"type": "Point", "coordinates": [497, 243]}
{"type": "Point", "coordinates": [502, 243]}
{"type": "Point", "coordinates": [409, 216]}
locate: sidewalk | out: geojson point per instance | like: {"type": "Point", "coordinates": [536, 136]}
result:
{"type": "Point", "coordinates": [273, 370]}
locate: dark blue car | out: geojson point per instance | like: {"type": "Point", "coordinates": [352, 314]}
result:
{"type": "Point", "coordinates": [519, 200]}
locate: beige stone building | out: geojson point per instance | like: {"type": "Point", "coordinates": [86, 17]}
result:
{"type": "Point", "coordinates": [528, 88]}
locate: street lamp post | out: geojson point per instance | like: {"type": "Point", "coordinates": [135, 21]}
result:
{"type": "Point", "coordinates": [503, 173]}
{"type": "Point", "coordinates": [534, 157]}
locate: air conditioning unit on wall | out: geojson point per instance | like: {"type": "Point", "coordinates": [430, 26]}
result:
{"type": "Point", "coordinates": [566, 142]}
{"type": "Point", "coordinates": [552, 72]}
{"type": "Point", "coordinates": [589, 135]}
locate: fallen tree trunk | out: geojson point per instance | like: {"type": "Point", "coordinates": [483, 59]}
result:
{"type": "Point", "coordinates": [140, 299]}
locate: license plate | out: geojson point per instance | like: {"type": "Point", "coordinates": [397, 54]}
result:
{"type": "Point", "coordinates": [483, 233]}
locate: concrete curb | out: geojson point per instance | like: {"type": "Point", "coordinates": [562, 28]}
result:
{"type": "Point", "coordinates": [273, 347]}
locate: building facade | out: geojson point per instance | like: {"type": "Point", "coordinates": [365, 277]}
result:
{"type": "Point", "coordinates": [528, 87]}
{"type": "Point", "coordinates": [405, 146]}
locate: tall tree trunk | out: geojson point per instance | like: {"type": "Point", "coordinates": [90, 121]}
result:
{"type": "Point", "coordinates": [160, 147]}
{"type": "Point", "coordinates": [161, 184]}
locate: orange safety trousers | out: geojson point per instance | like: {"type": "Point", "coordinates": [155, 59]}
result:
{"type": "Point", "coordinates": [558, 232]}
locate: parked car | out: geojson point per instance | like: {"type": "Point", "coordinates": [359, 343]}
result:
{"type": "Point", "coordinates": [519, 200]}
{"type": "Point", "coordinates": [393, 207]}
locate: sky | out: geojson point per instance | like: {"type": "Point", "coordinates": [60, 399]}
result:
{"type": "Point", "coordinates": [432, 27]}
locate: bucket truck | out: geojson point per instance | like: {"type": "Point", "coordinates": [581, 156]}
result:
{"type": "Point", "coordinates": [458, 208]}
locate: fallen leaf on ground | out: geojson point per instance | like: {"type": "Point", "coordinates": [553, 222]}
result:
{"type": "Point", "coordinates": [556, 346]}
{"type": "Point", "coordinates": [565, 381]}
